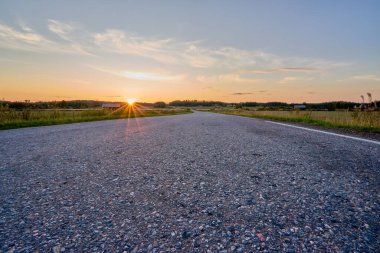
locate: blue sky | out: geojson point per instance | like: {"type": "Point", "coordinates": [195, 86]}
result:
{"type": "Point", "coordinates": [291, 51]}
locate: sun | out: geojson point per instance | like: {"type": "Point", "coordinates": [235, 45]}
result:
{"type": "Point", "coordinates": [131, 101]}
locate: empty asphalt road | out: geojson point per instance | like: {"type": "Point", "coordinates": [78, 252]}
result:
{"type": "Point", "coordinates": [187, 183]}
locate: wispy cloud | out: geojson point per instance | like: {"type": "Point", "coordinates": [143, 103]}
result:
{"type": "Point", "coordinates": [64, 30]}
{"type": "Point", "coordinates": [27, 39]}
{"type": "Point", "coordinates": [24, 39]}
{"type": "Point", "coordinates": [172, 51]}
{"type": "Point", "coordinates": [119, 42]}
{"type": "Point", "coordinates": [292, 79]}
{"type": "Point", "coordinates": [288, 70]}
{"type": "Point", "coordinates": [141, 76]}
{"type": "Point", "coordinates": [366, 77]}
{"type": "Point", "coordinates": [195, 54]}
{"type": "Point", "coordinates": [147, 76]}
{"type": "Point", "coordinates": [24, 26]}
{"type": "Point", "coordinates": [236, 58]}
{"type": "Point", "coordinates": [227, 78]}
{"type": "Point", "coordinates": [61, 29]}
{"type": "Point", "coordinates": [241, 93]}
{"type": "Point", "coordinates": [71, 38]}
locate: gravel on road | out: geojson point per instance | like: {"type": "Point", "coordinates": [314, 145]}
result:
{"type": "Point", "coordinates": [188, 183]}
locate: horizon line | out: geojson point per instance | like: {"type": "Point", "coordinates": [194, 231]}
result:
{"type": "Point", "coordinates": [198, 100]}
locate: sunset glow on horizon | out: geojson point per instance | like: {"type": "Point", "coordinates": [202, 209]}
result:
{"type": "Point", "coordinates": [131, 101]}
{"type": "Point", "coordinates": [163, 51]}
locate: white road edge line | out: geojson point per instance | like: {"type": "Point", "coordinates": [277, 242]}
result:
{"type": "Point", "coordinates": [324, 132]}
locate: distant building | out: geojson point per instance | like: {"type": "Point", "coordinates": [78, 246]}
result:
{"type": "Point", "coordinates": [111, 106]}
{"type": "Point", "coordinates": [301, 107]}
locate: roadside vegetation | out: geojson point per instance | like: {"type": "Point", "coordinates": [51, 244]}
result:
{"type": "Point", "coordinates": [365, 121]}
{"type": "Point", "coordinates": [13, 118]}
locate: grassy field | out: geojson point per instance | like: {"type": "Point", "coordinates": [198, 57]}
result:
{"type": "Point", "coordinates": [365, 121]}
{"type": "Point", "coordinates": [27, 118]}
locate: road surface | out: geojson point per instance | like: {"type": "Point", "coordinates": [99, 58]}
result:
{"type": "Point", "coordinates": [187, 183]}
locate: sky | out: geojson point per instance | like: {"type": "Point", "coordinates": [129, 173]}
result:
{"type": "Point", "coordinates": [233, 51]}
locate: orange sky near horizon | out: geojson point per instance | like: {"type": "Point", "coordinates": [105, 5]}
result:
{"type": "Point", "coordinates": [53, 87]}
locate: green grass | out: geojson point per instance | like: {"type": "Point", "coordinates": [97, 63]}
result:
{"type": "Point", "coordinates": [366, 121]}
{"type": "Point", "coordinates": [10, 119]}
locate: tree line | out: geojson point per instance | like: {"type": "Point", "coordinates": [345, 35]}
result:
{"type": "Point", "coordinates": [87, 104]}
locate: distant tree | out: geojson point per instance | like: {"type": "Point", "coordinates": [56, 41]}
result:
{"type": "Point", "coordinates": [250, 104]}
{"type": "Point", "coordinates": [192, 103]}
{"type": "Point", "coordinates": [159, 104]}
{"type": "Point", "coordinates": [62, 104]}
